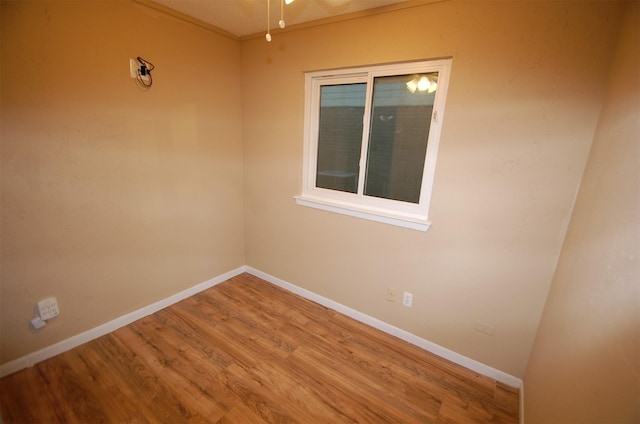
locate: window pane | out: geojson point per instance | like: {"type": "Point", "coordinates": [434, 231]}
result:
{"type": "Point", "coordinates": [340, 136]}
{"type": "Point", "coordinates": [400, 121]}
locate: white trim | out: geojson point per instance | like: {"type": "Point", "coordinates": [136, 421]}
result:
{"type": "Point", "coordinates": [414, 223]}
{"type": "Point", "coordinates": [394, 331]}
{"type": "Point", "coordinates": [74, 341]}
{"type": "Point", "coordinates": [358, 204]}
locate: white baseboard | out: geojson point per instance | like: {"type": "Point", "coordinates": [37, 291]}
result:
{"type": "Point", "coordinates": [77, 340]}
{"type": "Point", "coordinates": [394, 331]}
{"type": "Point", "coordinates": [74, 341]}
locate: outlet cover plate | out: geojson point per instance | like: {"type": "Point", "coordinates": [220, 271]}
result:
{"type": "Point", "coordinates": [484, 328]}
{"type": "Point", "coordinates": [407, 299]}
{"type": "Point", "coordinates": [48, 308]}
{"type": "Point", "coordinates": [391, 294]}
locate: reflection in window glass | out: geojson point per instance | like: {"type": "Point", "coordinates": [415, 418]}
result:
{"type": "Point", "coordinates": [399, 130]}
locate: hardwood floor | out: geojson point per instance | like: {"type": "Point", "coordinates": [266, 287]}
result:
{"type": "Point", "coordinates": [246, 351]}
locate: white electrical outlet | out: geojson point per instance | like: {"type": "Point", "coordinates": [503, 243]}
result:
{"type": "Point", "coordinates": [48, 308]}
{"type": "Point", "coordinates": [407, 299]}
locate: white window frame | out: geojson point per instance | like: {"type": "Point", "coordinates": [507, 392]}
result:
{"type": "Point", "coordinates": [400, 213]}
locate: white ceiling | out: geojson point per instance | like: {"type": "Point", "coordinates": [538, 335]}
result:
{"type": "Point", "coordinates": [245, 17]}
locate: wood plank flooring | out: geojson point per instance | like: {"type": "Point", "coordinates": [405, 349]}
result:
{"type": "Point", "coordinates": [246, 351]}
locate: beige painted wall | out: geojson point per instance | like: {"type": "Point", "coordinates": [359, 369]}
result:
{"type": "Point", "coordinates": [112, 197]}
{"type": "Point", "coordinates": [585, 365]}
{"type": "Point", "coordinates": [526, 88]}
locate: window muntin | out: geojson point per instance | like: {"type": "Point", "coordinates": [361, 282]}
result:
{"type": "Point", "coordinates": [371, 139]}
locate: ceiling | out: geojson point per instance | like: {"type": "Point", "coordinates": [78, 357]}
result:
{"type": "Point", "coordinates": [245, 17]}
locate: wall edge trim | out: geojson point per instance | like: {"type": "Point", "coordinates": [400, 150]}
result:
{"type": "Point", "coordinates": [434, 348]}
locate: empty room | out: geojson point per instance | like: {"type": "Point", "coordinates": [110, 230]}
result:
{"type": "Point", "coordinates": [373, 211]}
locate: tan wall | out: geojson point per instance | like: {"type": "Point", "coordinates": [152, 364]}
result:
{"type": "Point", "coordinates": [112, 197]}
{"type": "Point", "coordinates": [526, 87]}
{"type": "Point", "coordinates": [585, 364]}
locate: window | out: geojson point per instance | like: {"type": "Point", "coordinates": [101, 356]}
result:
{"type": "Point", "coordinates": [371, 139]}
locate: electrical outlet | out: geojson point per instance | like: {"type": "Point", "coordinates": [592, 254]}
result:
{"type": "Point", "coordinates": [48, 308]}
{"type": "Point", "coordinates": [391, 294]}
{"type": "Point", "coordinates": [407, 299]}
{"type": "Point", "coordinates": [484, 328]}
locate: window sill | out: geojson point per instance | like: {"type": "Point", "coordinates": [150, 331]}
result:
{"type": "Point", "coordinates": [400, 220]}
